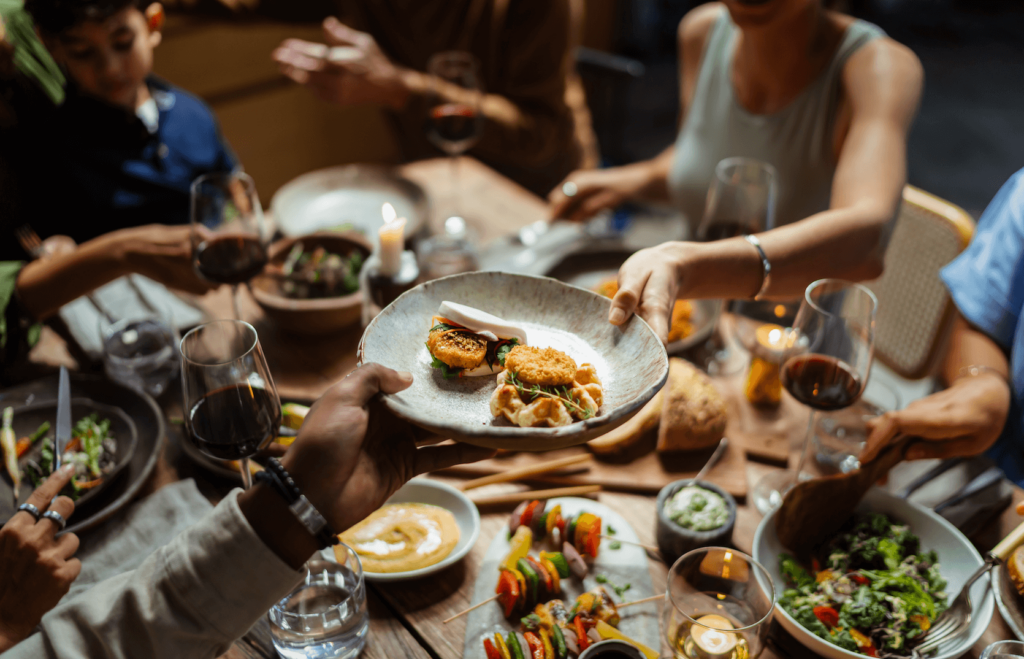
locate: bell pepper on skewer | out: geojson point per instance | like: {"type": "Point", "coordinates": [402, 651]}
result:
{"type": "Point", "coordinates": [508, 592]}
{"type": "Point", "coordinates": [499, 644]}
{"type": "Point", "coordinates": [606, 631]}
{"type": "Point", "coordinates": [490, 650]}
{"type": "Point", "coordinates": [520, 546]}
{"type": "Point", "coordinates": [536, 646]}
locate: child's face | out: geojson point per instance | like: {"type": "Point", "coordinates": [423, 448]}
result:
{"type": "Point", "coordinates": [110, 59]}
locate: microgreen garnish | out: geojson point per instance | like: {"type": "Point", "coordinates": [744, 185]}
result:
{"type": "Point", "coordinates": [561, 393]}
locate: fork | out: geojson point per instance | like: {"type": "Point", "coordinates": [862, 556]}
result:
{"type": "Point", "coordinates": [957, 618]}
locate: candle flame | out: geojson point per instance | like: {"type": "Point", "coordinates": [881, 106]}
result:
{"type": "Point", "coordinates": [388, 212]}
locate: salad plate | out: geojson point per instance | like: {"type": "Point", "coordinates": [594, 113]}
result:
{"type": "Point", "coordinates": [630, 360]}
{"type": "Point", "coordinates": [958, 559]}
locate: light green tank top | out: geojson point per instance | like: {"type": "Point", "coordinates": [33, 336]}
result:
{"type": "Point", "coordinates": [797, 140]}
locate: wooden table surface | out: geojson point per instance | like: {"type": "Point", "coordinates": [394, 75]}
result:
{"type": "Point", "coordinates": [405, 618]}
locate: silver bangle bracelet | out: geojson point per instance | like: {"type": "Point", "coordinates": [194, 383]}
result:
{"type": "Point", "coordinates": [766, 266]}
{"type": "Point", "coordinates": [978, 369]}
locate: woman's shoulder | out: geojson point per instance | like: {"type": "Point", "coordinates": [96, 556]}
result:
{"type": "Point", "coordinates": [696, 25]}
{"type": "Point", "coordinates": [883, 70]}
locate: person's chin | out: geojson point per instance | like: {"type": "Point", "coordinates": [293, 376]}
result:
{"type": "Point", "coordinates": [752, 12]}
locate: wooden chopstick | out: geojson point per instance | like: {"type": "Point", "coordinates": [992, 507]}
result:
{"type": "Point", "coordinates": [530, 495]}
{"type": "Point", "coordinates": [523, 473]}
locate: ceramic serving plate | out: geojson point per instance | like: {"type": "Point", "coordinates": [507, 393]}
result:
{"type": "Point", "coordinates": [958, 559]}
{"type": "Point", "coordinates": [434, 493]}
{"type": "Point", "coordinates": [630, 360]}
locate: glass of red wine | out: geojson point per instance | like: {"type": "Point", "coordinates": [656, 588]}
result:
{"type": "Point", "coordinates": [831, 346]}
{"type": "Point", "coordinates": [231, 405]}
{"type": "Point", "coordinates": [454, 121]}
{"type": "Point", "coordinates": [741, 200]}
{"type": "Point", "coordinates": [229, 236]}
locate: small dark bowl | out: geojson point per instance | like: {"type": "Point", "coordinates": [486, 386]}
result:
{"type": "Point", "coordinates": [612, 648]}
{"type": "Point", "coordinates": [315, 315]}
{"type": "Point", "coordinates": [674, 540]}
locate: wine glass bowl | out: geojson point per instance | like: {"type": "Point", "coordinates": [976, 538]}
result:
{"type": "Point", "coordinates": [229, 236]}
{"type": "Point", "coordinates": [230, 403]}
{"type": "Point", "coordinates": [719, 604]}
{"type": "Point", "coordinates": [830, 351]}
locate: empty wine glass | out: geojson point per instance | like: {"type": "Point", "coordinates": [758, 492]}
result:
{"type": "Point", "coordinates": [741, 201]}
{"type": "Point", "coordinates": [229, 235]}
{"type": "Point", "coordinates": [831, 349]}
{"type": "Point", "coordinates": [454, 121]}
{"type": "Point", "coordinates": [231, 405]}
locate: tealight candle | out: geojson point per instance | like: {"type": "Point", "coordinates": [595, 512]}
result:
{"type": "Point", "coordinates": [392, 240]}
{"type": "Point", "coordinates": [713, 643]}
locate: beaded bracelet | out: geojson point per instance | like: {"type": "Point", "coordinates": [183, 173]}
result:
{"type": "Point", "coordinates": [280, 480]}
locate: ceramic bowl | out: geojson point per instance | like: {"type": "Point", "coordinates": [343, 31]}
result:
{"type": "Point", "coordinates": [675, 540]}
{"type": "Point", "coordinates": [958, 559]}
{"type": "Point", "coordinates": [612, 649]}
{"type": "Point", "coordinates": [318, 315]}
{"type": "Point", "coordinates": [630, 360]}
{"type": "Point", "coordinates": [434, 493]}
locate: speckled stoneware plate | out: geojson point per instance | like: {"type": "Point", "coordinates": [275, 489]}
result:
{"type": "Point", "coordinates": [630, 360]}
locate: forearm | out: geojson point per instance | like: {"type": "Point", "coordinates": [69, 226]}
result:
{"type": "Point", "coordinates": [845, 243]}
{"type": "Point", "coordinates": [969, 347]}
{"type": "Point", "coordinates": [191, 598]}
{"type": "Point", "coordinates": [44, 286]}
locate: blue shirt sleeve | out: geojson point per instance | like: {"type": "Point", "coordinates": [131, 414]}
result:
{"type": "Point", "coordinates": [987, 280]}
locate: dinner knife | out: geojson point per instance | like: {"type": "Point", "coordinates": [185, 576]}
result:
{"type": "Point", "coordinates": [982, 481]}
{"type": "Point", "coordinates": [63, 432]}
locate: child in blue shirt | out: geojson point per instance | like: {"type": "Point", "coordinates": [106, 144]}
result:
{"type": "Point", "coordinates": [123, 147]}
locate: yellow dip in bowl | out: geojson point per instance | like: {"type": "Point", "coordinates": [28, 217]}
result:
{"type": "Point", "coordinates": [401, 537]}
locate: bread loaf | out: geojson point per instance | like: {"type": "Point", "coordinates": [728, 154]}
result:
{"type": "Point", "coordinates": [693, 414]}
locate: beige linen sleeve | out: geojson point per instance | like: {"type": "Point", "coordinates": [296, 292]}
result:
{"type": "Point", "coordinates": [191, 598]}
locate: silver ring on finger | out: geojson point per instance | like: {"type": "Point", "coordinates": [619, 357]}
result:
{"type": "Point", "coordinates": [30, 509]}
{"type": "Point", "coordinates": [56, 518]}
{"type": "Point", "coordinates": [569, 189]}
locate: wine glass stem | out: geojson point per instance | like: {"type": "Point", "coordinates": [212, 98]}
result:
{"type": "Point", "coordinates": [455, 184]}
{"type": "Point", "coordinates": [806, 447]}
{"type": "Point", "coordinates": [243, 466]}
{"type": "Point", "coordinates": [234, 301]}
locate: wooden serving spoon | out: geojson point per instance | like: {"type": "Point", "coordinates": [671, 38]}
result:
{"type": "Point", "coordinates": [815, 509]}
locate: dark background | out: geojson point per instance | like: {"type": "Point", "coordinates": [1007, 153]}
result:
{"type": "Point", "coordinates": [969, 134]}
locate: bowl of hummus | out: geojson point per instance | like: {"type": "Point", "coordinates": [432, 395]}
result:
{"type": "Point", "coordinates": [423, 528]}
{"type": "Point", "coordinates": [692, 515]}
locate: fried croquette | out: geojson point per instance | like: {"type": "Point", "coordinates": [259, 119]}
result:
{"type": "Point", "coordinates": [544, 366]}
{"type": "Point", "coordinates": [457, 349]}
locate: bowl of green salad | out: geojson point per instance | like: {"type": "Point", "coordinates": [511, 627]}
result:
{"type": "Point", "coordinates": [692, 515]}
{"type": "Point", "coordinates": [876, 586]}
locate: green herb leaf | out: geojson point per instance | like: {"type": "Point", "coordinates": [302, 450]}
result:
{"type": "Point", "coordinates": [615, 545]}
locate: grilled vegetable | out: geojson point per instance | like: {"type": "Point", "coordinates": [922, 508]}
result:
{"type": "Point", "coordinates": [512, 641]}
{"type": "Point", "coordinates": [508, 591]}
{"type": "Point", "coordinates": [576, 563]}
{"type": "Point", "coordinates": [503, 650]}
{"type": "Point", "coordinates": [536, 646]}
{"type": "Point", "coordinates": [9, 445]}
{"type": "Point", "coordinates": [517, 515]}
{"type": "Point", "coordinates": [521, 543]}
{"type": "Point", "coordinates": [607, 631]}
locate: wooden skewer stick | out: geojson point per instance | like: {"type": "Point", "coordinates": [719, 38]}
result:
{"type": "Point", "coordinates": [630, 542]}
{"type": "Point", "coordinates": [523, 473]}
{"type": "Point", "coordinates": [475, 606]}
{"type": "Point", "coordinates": [530, 495]}
{"type": "Point", "coordinates": [643, 601]}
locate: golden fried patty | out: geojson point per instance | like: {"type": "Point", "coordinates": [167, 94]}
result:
{"type": "Point", "coordinates": [544, 366]}
{"type": "Point", "coordinates": [457, 349]}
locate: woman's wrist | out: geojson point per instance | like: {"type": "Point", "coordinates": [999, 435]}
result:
{"type": "Point", "coordinates": [720, 269]}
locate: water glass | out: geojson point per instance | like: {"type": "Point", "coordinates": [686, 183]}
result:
{"type": "Point", "coordinates": [839, 436]}
{"type": "Point", "coordinates": [141, 350]}
{"type": "Point", "coordinates": [325, 617]}
{"type": "Point", "coordinates": [719, 604]}
{"type": "Point", "coordinates": [1004, 650]}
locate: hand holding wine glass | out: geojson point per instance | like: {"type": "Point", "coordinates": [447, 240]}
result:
{"type": "Point", "coordinates": [231, 405]}
{"type": "Point", "coordinates": [831, 350]}
{"type": "Point", "coordinates": [229, 236]}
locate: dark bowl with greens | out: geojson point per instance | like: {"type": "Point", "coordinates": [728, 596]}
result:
{"type": "Point", "coordinates": [704, 515]}
{"type": "Point", "coordinates": [311, 283]}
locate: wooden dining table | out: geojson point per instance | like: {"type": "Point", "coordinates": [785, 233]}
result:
{"type": "Point", "coordinates": [406, 617]}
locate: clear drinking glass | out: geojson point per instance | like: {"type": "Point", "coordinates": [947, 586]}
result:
{"type": "Point", "coordinates": [140, 349]}
{"type": "Point", "coordinates": [454, 120]}
{"type": "Point", "coordinates": [839, 437]}
{"type": "Point", "coordinates": [325, 617]}
{"type": "Point", "coordinates": [1004, 650]}
{"type": "Point", "coordinates": [832, 345]}
{"type": "Point", "coordinates": [229, 235]}
{"type": "Point", "coordinates": [719, 604]}
{"type": "Point", "coordinates": [741, 201]}
{"type": "Point", "coordinates": [231, 405]}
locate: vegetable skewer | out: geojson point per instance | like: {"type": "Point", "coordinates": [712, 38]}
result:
{"type": "Point", "coordinates": [582, 531]}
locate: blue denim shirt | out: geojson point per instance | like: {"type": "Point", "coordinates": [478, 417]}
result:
{"type": "Point", "coordinates": [987, 285]}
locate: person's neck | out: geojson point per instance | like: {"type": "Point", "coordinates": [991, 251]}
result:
{"type": "Point", "coordinates": [773, 63]}
{"type": "Point", "coordinates": [141, 95]}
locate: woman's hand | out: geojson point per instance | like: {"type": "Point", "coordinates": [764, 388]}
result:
{"type": "Point", "coordinates": [162, 253]}
{"type": "Point", "coordinates": [357, 72]}
{"type": "Point", "coordinates": [963, 420]}
{"type": "Point", "coordinates": [594, 190]}
{"type": "Point", "coordinates": [37, 567]}
{"type": "Point", "coordinates": [648, 285]}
